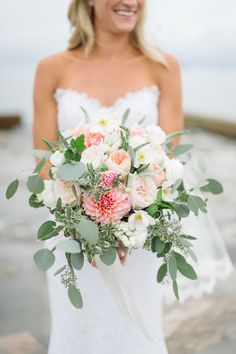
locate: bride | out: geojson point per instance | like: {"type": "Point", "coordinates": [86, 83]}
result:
{"type": "Point", "coordinates": [109, 66]}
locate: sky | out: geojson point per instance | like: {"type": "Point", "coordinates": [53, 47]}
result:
{"type": "Point", "coordinates": [199, 32]}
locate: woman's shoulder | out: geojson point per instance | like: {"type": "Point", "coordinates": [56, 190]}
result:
{"type": "Point", "coordinates": [170, 72]}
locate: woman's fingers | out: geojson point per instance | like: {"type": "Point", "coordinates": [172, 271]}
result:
{"type": "Point", "coordinates": [94, 264]}
{"type": "Point", "coordinates": [122, 253]}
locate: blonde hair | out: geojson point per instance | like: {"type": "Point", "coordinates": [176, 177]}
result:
{"type": "Point", "coordinates": [80, 15]}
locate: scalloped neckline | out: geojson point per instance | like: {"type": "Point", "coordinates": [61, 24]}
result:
{"type": "Point", "coordinates": [62, 90]}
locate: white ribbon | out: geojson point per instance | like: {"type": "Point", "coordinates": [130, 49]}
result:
{"type": "Point", "coordinates": [121, 294]}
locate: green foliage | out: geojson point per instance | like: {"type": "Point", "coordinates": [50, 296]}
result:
{"type": "Point", "coordinates": [157, 245]}
{"type": "Point", "coordinates": [88, 230]}
{"type": "Point", "coordinates": [172, 266]}
{"type": "Point", "coordinates": [68, 246]}
{"type": "Point", "coordinates": [12, 188]}
{"type": "Point", "coordinates": [71, 172]}
{"type": "Point", "coordinates": [77, 260]}
{"type": "Point", "coordinates": [40, 165]}
{"type": "Point", "coordinates": [213, 186]}
{"type": "Point", "coordinates": [44, 259]}
{"type": "Point", "coordinates": [75, 297]}
{"type": "Point", "coordinates": [34, 203]}
{"type": "Point", "coordinates": [175, 289]}
{"type": "Point", "coordinates": [185, 268]}
{"type": "Point", "coordinates": [162, 272]}
{"type": "Point", "coordinates": [108, 256]}
{"type": "Point", "coordinates": [195, 203]}
{"type": "Point", "coordinates": [182, 149]}
{"type": "Point", "coordinates": [46, 230]}
{"type": "Point", "coordinates": [35, 184]}
{"type": "Point", "coordinates": [125, 116]}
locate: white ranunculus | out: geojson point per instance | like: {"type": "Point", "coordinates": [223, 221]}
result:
{"type": "Point", "coordinates": [156, 135]}
{"type": "Point", "coordinates": [95, 154]}
{"type": "Point", "coordinates": [144, 155]}
{"type": "Point", "coordinates": [113, 139]}
{"type": "Point", "coordinates": [166, 193]}
{"type": "Point", "coordinates": [57, 159]}
{"type": "Point", "coordinates": [143, 191]}
{"type": "Point", "coordinates": [47, 196]}
{"type": "Point", "coordinates": [174, 170]}
{"type": "Point", "coordinates": [140, 219]}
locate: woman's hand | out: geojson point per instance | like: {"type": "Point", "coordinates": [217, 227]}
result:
{"type": "Point", "coordinates": [122, 253]}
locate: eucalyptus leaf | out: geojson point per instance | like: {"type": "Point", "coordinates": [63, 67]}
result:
{"type": "Point", "coordinates": [12, 188]}
{"type": "Point", "coordinates": [46, 228]}
{"type": "Point", "coordinates": [88, 230]}
{"type": "Point", "coordinates": [174, 135]}
{"type": "Point", "coordinates": [192, 254]}
{"type": "Point", "coordinates": [195, 203]}
{"type": "Point", "coordinates": [172, 266]}
{"type": "Point", "coordinates": [35, 184]}
{"type": "Point", "coordinates": [161, 272]}
{"type": "Point", "coordinates": [68, 246]}
{"type": "Point", "coordinates": [186, 242]}
{"type": "Point", "coordinates": [44, 259]}
{"type": "Point", "coordinates": [71, 172]}
{"type": "Point", "coordinates": [176, 290]}
{"type": "Point", "coordinates": [157, 245]}
{"type": "Point", "coordinates": [108, 256]}
{"type": "Point", "coordinates": [176, 185]}
{"type": "Point", "coordinates": [60, 270]}
{"type": "Point", "coordinates": [182, 210]}
{"type": "Point", "coordinates": [125, 116]}
{"type": "Point", "coordinates": [40, 165]}
{"type": "Point", "coordinates": [77, 260]}
{"type": "Point", "coordinates": [42, 154]}
{"type": "Point", "coordinates": [75, 297]}
{"type": "Point", "coordinates": [213, 186]}
{"type": "Point", "coordinates": [185, 268]}
{"type": "Point", "coordinates": [182, 149]}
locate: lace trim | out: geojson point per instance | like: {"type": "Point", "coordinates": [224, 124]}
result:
{"type": "Point", "coordinates": [61, 91]}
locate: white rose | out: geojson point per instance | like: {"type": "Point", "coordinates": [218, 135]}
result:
{"type": "Point", "coordinates": [63, 190]}
{"type": "Point", "coordinates": [137, 140]}
{"type": "Point", "coordinates": [47, 196]}
{"type": "Point", "coordinates": [143, 191]}
{"type": "Point", "coordinates": [95, 154]}
{"type": "Point", "coordinates": [140, 220]}
{"type": "Point", "coordinates": [57, 159]}
{"type": "Point", "coordinates": [156, 135]}
{"type": "Point", "coordinates": [174, 170]}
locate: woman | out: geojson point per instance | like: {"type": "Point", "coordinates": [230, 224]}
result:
{"type": "Point", "coordinates": [107, 68]}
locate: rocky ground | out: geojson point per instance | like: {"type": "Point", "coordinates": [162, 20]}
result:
{"type": "Point", "coordinates": [201, 326]}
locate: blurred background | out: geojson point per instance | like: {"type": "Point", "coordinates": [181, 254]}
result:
{"type": "Point", "coordinates": [202, 35]}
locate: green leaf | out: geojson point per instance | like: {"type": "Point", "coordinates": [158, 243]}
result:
{"type": "Point", "coordinates": [77, 260]}
{"type": "Point", "coordinates": [161, 272]}
{"type": "Point", "coordinates": [152, 210]}
{"type": "Point", "coordinates": [46, 228]}
{"type": "Point", "coordinates": [159, 196]}
{"type": "Point", "coordinates": [108, 256]}
{"type": "Point", "coordinates": [157, 245]}
{"type": "Point", "coordinates": [78, 143]}
{"type": "Point", "coordinates": [60, 270]}
{"type": "Point", "coordinates": [89, 231]}
{"type": "Point", "coordinates": [174, 135]}
{"type": "Point", "coordinates": [166, 249]}
{"type": "Point", "coordinates": [192, 254]}
{"type": "Point", "coordinates": [87, 119]}
{"type": "Point", "coordinates": [213, 186]}
{"type": "Point", "coordinates": [75, 297]}
{"type": "Point", "coordinates": [12, 188]}
{"type": "Point", "coordinates": [175, 288]}
{"type": "Point", "coordinates": [125, 116]}
{"type": "Point", "coordinates": [201, 163]}
{"type": "Point", "coordinates": [69, 246]}
{"type": "Point", "coordinates": [185, 268]}
{"type": "Point", "coordinates": [42, 154]}
{"type": "Point", "coordinates": [40, 165]}
{"type": "Point", "coordinates": [182, 210]}
{"type": "Point", "coordinates": [173, 266]}
{"type": "Point", "coordinates": [176, 185]}
{"type": "Point", "coordinates": [182, 149]}
{"type": "Point", "coordinates": [71, 172]}
{"type": "Point", "coordinates": [189, 237]}
{"type": "Point", "coordinates": [195, 203]}
{"type": "Point", "coordinates": [34, 203]}
{"type": "Point", "coordinates": [59, 204]}
{"type": "Point", "coordinates": [44, 259]}
{"type": "Point", "coordinates": [185, 242]}
{"type": "Point", "coordinates": [35, 184]}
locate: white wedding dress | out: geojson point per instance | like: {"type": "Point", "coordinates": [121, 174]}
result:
{"type": "Point", "coordinates": [122, 312]}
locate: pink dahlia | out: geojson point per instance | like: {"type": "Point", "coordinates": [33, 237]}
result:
{"type": "Point", "coordinates": [91, 138]}
{"type": "Point", "coordinates": [111, 207]}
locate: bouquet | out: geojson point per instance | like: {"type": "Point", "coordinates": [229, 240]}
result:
{"type": "Point", "coordinates": [113, 184]}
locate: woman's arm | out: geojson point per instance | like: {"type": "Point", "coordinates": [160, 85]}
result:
{"type": "Point", "coordinates": [170, 106]}
{"type": "Point", "coordinates": [45, 110]}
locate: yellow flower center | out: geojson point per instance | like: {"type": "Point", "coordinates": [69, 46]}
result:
{"type": "Point", "coordinates": [138, 216]}
{"type": "Point", "coordinates": [141, 156]}
{"type": "Point", "coordinates": [103, 122]}
{"type": "Point", "coordinates": [166, 191]}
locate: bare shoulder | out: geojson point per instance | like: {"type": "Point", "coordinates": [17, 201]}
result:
{"type": "Point", "coordinates": [49, 68]}
{"type": "Point", "coordinates": [169, 75]}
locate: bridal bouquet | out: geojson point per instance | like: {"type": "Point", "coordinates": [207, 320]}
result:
{"type": "Point", "coordinates": [112, 184]}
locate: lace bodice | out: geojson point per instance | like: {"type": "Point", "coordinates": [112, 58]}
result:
{"type": "Point", "coordinates": [142, 102]}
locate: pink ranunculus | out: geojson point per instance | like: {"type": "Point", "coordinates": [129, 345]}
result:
{"type": "Point", "coordinates": [108, 178]}
{"type": "Point", "coordinates": [91, 137]}
{"type": "Point", "coordinates": [111, 207]}
{"type": "Point", "coordinates": [160, 177]}
{"type": "Point", "coordinates": [119, 161]}
{"type": "Point", "coordinates": [138, 130]}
